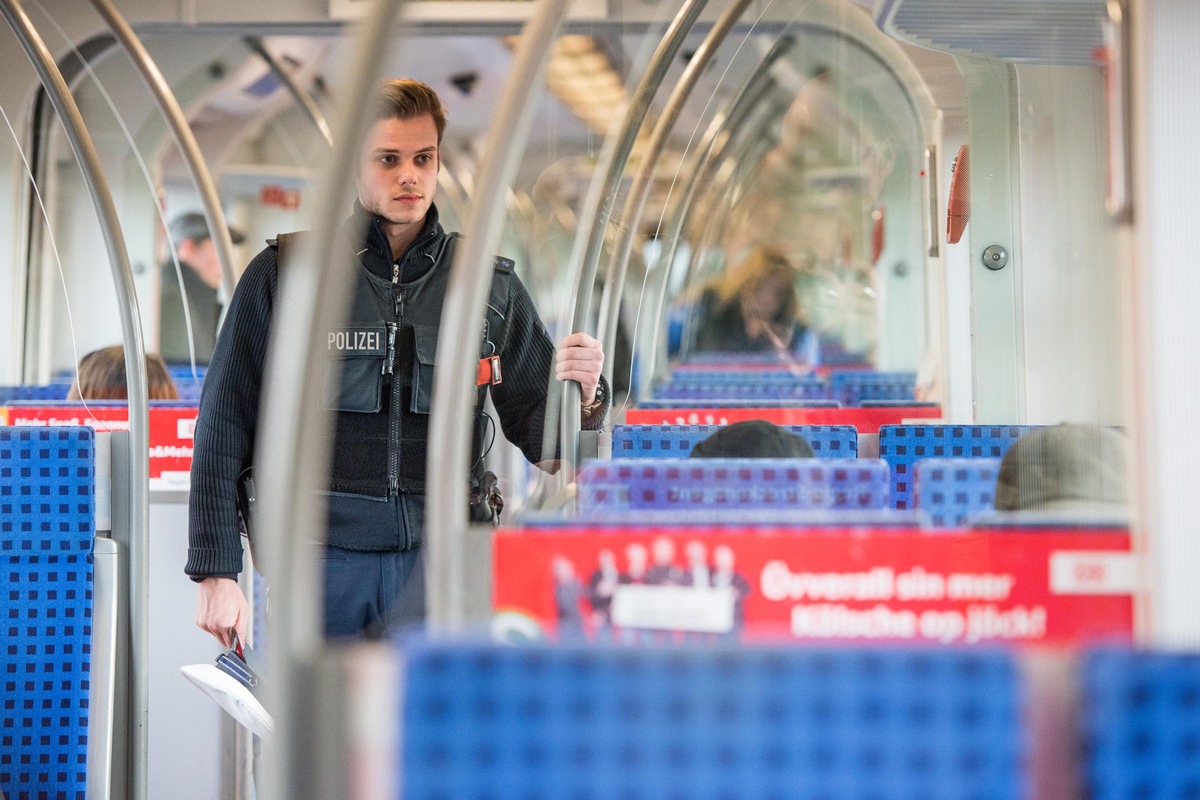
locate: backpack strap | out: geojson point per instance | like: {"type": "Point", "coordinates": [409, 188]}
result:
{"type": "Point", "coordinates": [499, 295]}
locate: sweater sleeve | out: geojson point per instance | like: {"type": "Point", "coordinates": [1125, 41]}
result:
{"type": "Point", "coordinates": [228, 422]}
{"type": "Point", "coordinates": [527, 358]}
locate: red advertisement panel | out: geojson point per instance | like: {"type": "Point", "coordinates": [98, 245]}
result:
{"type": "Point", "coordinates": [172, 430]}
{"type": "Point", "coordinates": [771, 584]}
{"type": "Point", "coordinates": [867, 420]}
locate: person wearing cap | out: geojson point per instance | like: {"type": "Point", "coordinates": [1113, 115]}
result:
{"type": "Point", "coordinates": [198, 282]}
{"type": "Point", "coordinates": [1064, 469]}
{"type": "Point", "coordinates": [380, 400]}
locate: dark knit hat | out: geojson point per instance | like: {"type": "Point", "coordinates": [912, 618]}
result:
{"type": "Point", "coordinates": [1063, 467]}
{"type": "Point", "coordinates": [754, 438]}
{"type": "Point", "coordinates": [193, 225]}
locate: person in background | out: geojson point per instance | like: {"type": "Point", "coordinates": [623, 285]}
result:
{"type": "Point", "coordinates": [724, 575]}
{"type": "Point", "coordinates": [755, 438]}
{"type": "Point", "coordinates": [1065, 468]}
{"type": "Point", "coordinates": [101, 376]}
{"type": "Point", "coordinates": [601, 584]}
{"type": "Point", "coordinates": [568, 591]}
{"type": "Point", "coordinates": [198, 282]}
{"type": "Point", "coordinates": [754, 308]}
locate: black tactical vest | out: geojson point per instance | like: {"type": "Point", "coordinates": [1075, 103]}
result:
{"type": "Point", "coordinates": [386, 349]}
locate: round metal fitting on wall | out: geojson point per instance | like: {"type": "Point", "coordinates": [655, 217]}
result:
{"type": "Point", "coordinates": [995, 257]}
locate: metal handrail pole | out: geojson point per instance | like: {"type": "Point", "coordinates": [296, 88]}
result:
{"type": "Point", "coordinates": [214, 215]}
{"type": "Point", "coordinates": [135, 377]}
{"type": "Point", "coordinates": [679, 217]}
{"type": "Point", "coordinates": [699, 170]}
{"type": "Point", "coordinates": [303, 98]}
{"type": "Point", "coordinates": [599, 202]}
{"type": "Point", "coordinates": [598, 205]}
{"type": "Point", "coordinates": [294, 439]}
{"type": "Point", "coordinates": [458, 341]}
{"type": "Point", "coordinates": [724, 189]}
{"type": "Point", "coordinates": [709, 154]}
{"type": "Point", "coordinates": [639, 192]}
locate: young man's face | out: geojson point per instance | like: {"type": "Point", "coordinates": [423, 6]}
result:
{"type": "Point", "coordinates": [397, 177]}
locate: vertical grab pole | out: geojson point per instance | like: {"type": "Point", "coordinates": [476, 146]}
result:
{"type": "Point", "coordinates": [470, 275]}
{"type": "Point", "coordinates": [169, 106]}
{"type": "Point", "coordinates": [756, 88]}
{"type": "Point", "coordinates": [598, 205]}
{"type": "Point", "coordinates": [639, 192]}
{"type": "Point", "coordinates": [135, 376]}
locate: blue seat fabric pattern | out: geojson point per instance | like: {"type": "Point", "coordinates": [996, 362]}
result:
{"type": "Point", "coordinates": [901, 446]}
{"type": "Point", "coordinates": [47, 479]}
{"type": "Point", "coordinates": [753, 724]}
{"type": "Point", "coordinates": [677, 441]}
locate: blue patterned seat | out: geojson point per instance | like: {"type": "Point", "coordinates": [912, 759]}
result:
{"type": "Point", "coordinates": [47, 480]}
{"type": "Point", "coordinates": [950, 490]}
{"type": "Point", "coordinates": [1141, 725]}
{"type": "Point", "coordinates": [837, 724]}
{"type": "Point", "coordinates": [744, 483]}
{"type": "Point", "coordinates": [677, 441]}
{"type": "Point", "coordinates": [852, 388]}
{"type": "Point", "coordinates": [902, 446]}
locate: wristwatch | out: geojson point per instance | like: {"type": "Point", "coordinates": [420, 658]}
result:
{"type": "Point", "coordinates": [598, 402]}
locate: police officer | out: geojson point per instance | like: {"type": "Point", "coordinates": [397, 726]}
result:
{"type": "Point", "coordinates": [373, 568]}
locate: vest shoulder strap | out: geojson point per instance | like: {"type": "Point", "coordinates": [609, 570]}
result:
{"type": "Point", "coordinates": [503, 270]}
{"type": "Point", "coordinates": [500, 294]}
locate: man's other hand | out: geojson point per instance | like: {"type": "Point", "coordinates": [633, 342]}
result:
{"type": "Point", "coordinates": [222, 606]}
{"type": "Point", "coordinates": [581, 359]}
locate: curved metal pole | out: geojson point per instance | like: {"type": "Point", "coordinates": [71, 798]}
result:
{"type": "Point", "coordinates": [470, 276]}
{"type": "Point", "coordinates": [135, 377]}
{"type": "Point", "coordinates": [639, 192]}
{"type": "Point", "coordinates": [603, 192]}
{"type": "Point", "coordinates": [214, 215]}
{"type": "Point", "coordinates": [699, 171]}
{"type": "Point", "coordinates": [303, 98]}
{"type": "Point", "coordinates": [599, 204]}
{"type": "Point", "coordinates": [295, 436]}
{"type": "Point", "coordinates": [721, 190]}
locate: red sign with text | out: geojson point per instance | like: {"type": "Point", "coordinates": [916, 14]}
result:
{"type": "Point", "coordinates": [867, 420]}
{"type": "Point", "coordinates": [770, 584]}
{"type": "Point", "coordinates": [172, 431]}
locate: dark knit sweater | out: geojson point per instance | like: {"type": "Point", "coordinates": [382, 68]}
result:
{"type": "Point", "coordinates": [227, 423]}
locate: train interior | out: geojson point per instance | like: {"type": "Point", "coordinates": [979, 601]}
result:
{"type": "Point", "coordinates": [927, 239]}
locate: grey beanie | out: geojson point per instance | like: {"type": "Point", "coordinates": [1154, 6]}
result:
{"type": "Point", "coordinates": [1063, 467]}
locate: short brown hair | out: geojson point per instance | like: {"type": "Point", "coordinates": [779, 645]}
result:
{"type": "Point", "coordinates": [101, 376]}
{"type": "Point", "coordinates": [405, 98]}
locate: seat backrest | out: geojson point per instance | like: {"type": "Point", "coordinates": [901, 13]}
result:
{"type": "Point", "coordinates": [47, 513]}
{"type": "Point", "coordinates": [1141, 724]}
{"type": "Point", "coordinates": [49, 391]}
{"type": "Point", "coordinates": [950, 490]}
{"type": "Point", "coordinates": [852, 388]}
{"type": "Point", "coordinates": [798, 389]}
{"type": "Point", "coordinates": [719, 402]}
{"type": "Point", "coordinates": [901, 446]}
{"type": "Point", "coordinates": [677, 441]}
{"type": "Point", "coordinates": [719, 483]}
{"type": "Point", "coordinates": [840, 724]}
{"type": "Point", "coordinates": [714, 377]}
